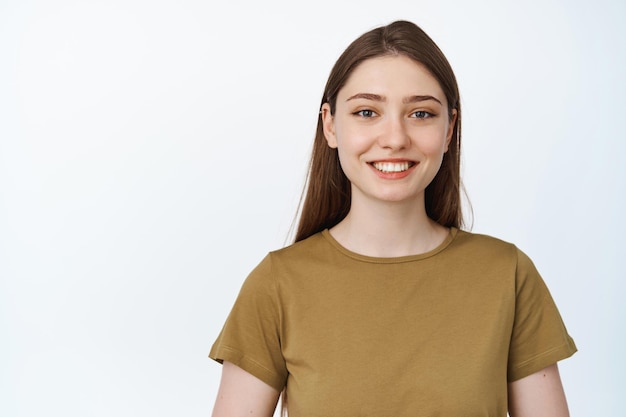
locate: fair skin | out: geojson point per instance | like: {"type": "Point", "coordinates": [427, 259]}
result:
{"type": "Point", "coordinates": [242, 395]}
{"type": "Point", "coordinates": [540, 394]}
{"type": "Point", "coordinates": [391, 128]}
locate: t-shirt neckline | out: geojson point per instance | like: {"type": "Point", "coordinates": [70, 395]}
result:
{"type": "Point", "coordinates": [390, 260]}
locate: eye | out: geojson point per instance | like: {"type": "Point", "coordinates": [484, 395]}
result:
{"type": "Point", "coordinates": [365, 113]}
{"type": "Point", "coordinates": [421, 114]}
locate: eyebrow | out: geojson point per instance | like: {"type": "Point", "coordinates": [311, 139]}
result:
{"type": "Point", "coordinates": [406, 100]}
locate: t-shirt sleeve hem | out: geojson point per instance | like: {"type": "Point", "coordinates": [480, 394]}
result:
{"type": "Point", "coordinates": [225, 353]}
{"type": "Point", "coordinates": [542, 361]}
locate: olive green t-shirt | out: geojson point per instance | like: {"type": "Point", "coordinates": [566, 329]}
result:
{"type": "Point", "coordinates": [436, 334]}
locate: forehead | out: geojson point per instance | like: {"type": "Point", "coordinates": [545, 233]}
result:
{"type": "Point", "coordinates": [395, 75]}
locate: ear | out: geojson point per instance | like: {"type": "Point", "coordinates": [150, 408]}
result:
{"type": "Point", "coordinates": [328, 123]}
{"type": "Point", "coordinates": [451, 128]}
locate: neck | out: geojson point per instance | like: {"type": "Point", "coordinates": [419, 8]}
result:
{"type": "Point", "coordinates": [384, 229]}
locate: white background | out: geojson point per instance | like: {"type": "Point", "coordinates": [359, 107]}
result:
{"type": "Point", "coordinates": [152, 152]}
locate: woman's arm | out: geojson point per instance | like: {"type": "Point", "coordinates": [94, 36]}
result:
{"type": "Point", "coordinates": [538, 395]}
{"type": "Point", "coordinates": [242, 394]}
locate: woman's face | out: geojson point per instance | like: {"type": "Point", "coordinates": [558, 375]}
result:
{"type": "Point", "coordinates": [391, 129]}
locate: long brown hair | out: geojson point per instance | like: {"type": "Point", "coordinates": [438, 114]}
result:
{"type": "Point", "coordinates": [328, 195]}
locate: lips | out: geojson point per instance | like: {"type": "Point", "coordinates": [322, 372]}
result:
{"type": "Point", "coordinates": [391, 167]}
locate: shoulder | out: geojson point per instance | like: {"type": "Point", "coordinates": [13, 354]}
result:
{"type": "Point", "coordinates": [484, 244]}
{"type": "Point", "coordinates": [289, 261]}
{"type": "Point", "coordinates": [474, 246]}
{"type": "Point", "coordinates": [310, 249]}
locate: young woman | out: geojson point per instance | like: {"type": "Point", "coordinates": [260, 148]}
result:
{"type": "Point", "coordinates": [383, 306]}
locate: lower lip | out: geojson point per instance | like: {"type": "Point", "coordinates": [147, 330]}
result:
{"type": "Point", "coordinates": [393, 175]}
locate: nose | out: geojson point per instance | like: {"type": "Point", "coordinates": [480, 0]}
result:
{"type": "Point", "coordinates": [395, 135]}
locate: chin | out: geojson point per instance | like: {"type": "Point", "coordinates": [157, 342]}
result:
{"type": "Point", "coordinates": [400, 198]}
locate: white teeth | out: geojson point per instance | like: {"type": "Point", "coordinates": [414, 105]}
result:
{"type": "Point", "coordinates": [391, 166]}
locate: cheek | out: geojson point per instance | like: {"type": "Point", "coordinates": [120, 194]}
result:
{"type": "Point", "coordinates": [433, 141]}
{"type": "Point", "coordinates": [351, 146]}
{"type": "Point", "coordinates": [351, 141]}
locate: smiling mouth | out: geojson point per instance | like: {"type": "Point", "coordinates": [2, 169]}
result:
{"type": "Point", "coordinates": [388, 167]}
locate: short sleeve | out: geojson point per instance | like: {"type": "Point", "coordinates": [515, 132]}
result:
{"type": "Point", "coordinates": [539, 338]}
{"type": "Point", "coordinates": [250, 337]}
